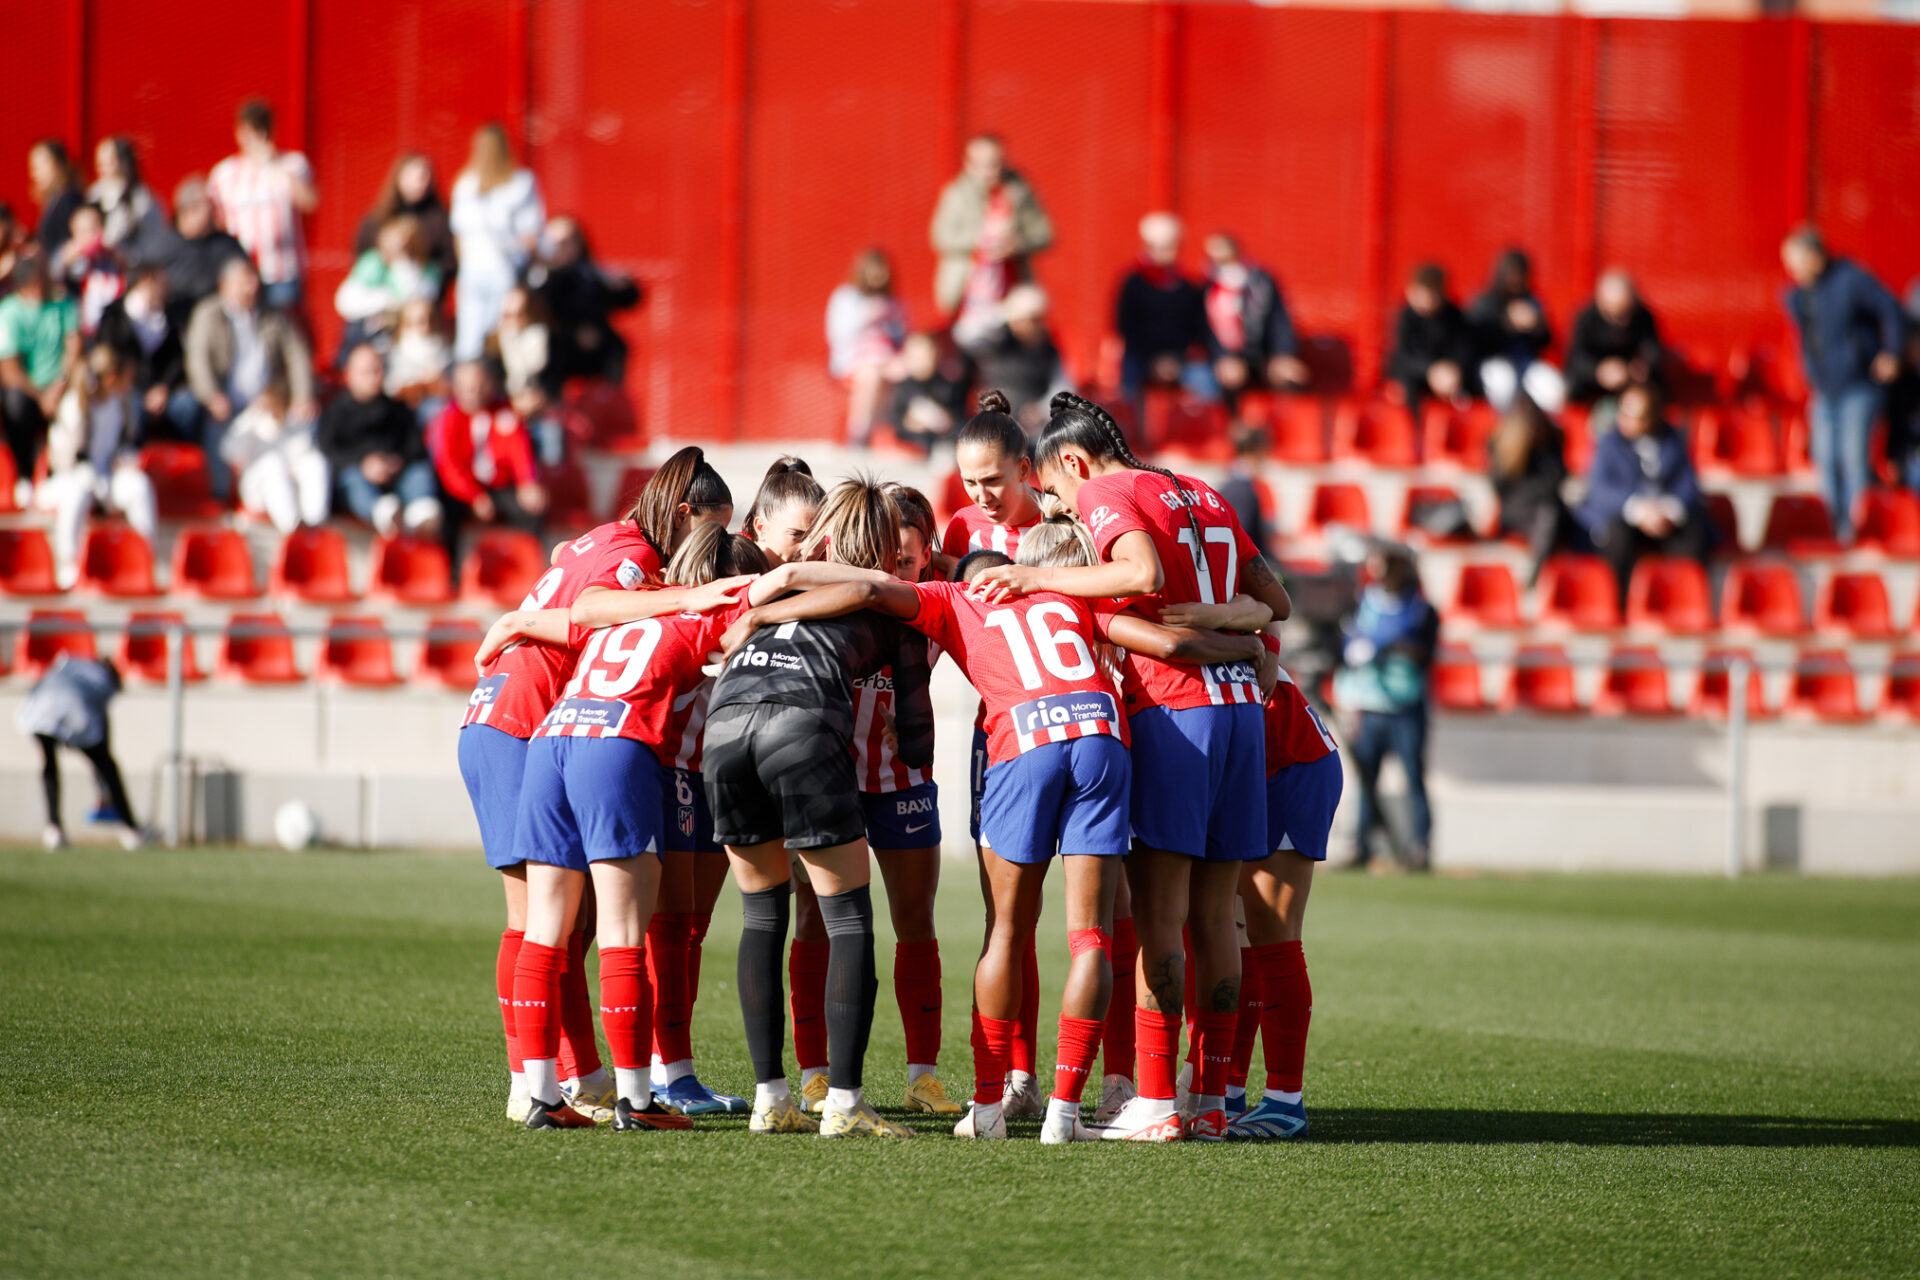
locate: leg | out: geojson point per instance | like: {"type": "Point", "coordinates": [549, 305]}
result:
{"type": "Point", "coordinates": [26, 428]}
{"type": "Point", "coordinates": [50, 786]}
{"type": "Point", "coordinates": [625, 890]}
{"type": "Point", "coordinates": [1369, 749]}
{"type": "Point", "coordinates": [761, 872]}
{"type": "Point", "coordinates": [553, 898]}
{"type": "Point", "coordinates": [356, 493]}
{"type": "Point", "coordinates": [1159, 882]}
{"type": "Point", "coordinates": [913, 881]}
{"type": "Point", "coordinates": [1824, 444]}
{"type": "Point", "coordinates": [130, 492]}
{"type": "Point", "coordinates": [219, 472]}
{"type": "Point", "coordinates": [421, 510]}
{"type": "Point", "coordinates": [513, 881]}
{"type": "Point", "coordinates": [267, 485]}
{"type": "Point", "coordinates": [840, 875]}
{"type": "Point", "coordinates": [667, 937]}
{"type": "Point", "coordinates": [807, 972]}
{"type": "Point", "coordinates": [1275, 892]}
{"type": "Point", "coordinates": [1500, 381]}
{"type": "Point", "coordinates": [1409, 729]}
{"type": "Point", "coordinates": [1622, 545]}
{"type": "Point", "coordinates": [100, 756]}
{"type": "Point", "coordinates": [1856, 411]}
{"type": "Point", "coordinates": [997, 985]}
{"type": "Point", "coordinates": [1213, 891]}
{"type": "Point", "coordinates": [312, 483]}
{"type": "Point", "coordinates": [1545, 385]}
{"type": "Point", "coordinates": [72, 504]}
{"type": "Point", "coordinates": [1091, 881]}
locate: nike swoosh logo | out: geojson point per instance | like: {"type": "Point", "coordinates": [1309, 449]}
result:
{"type": "Point", "coordinates": [929, 1008]}
{"type": "Point", "coordinates": [922, 827]}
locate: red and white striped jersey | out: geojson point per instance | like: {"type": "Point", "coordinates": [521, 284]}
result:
{"type": "Point", "coordinates": [687, 730]}
{"type": "Point", "coordinates": [1295, 732]}
{"type": "Point", "coordinates": [879, 769]}
{"type": "Point", "coordinates": [971, 530]}
{"type": "Point", "coordinates": [254, 199]}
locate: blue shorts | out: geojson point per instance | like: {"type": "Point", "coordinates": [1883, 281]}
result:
{"type": "Point", "coordinates": [976, 781]}
{"type": "Point", "coordinates": [1301, 799]}
{"type": "Point", "coordinates": [904, 819]}
{"type": "Point", "coordinates": [491, 763]}
{"type": "Point", "coordinates": [689, 822]}
{"type": "Point", "coordinates": [588, 800]}
{"type": "Point", "coordinates": [1199, 780]}
{"type": "Point", "coordinates": [1070, 797]}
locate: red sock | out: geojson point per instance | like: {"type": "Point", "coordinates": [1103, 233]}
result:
{"type": "Point", "coordinates": [1252, 1000]}
{"type": "Point", "coordinates": [1079, 1042]}
{"type": "Point", "coordinates": [1025, 1050]}
{"type": "Point", "coordinates": [536, 999]}
{"type": "Point", "coordinates": [807, 987]}
{"type": "Point", "coordinates": [626, 1006]}
{"type": "Point", "coordinates": [579, 1055]}
{"type": "Point", "coordinates": [667, 972]}
{"type": "Point", "coordinates": [1157, 1039]}
{"type": "Point", "coordinates": [992, 1043]}
{"type": "Point", "coordinates": [1283, 1024]}
{"type": "Point", "coordinates": [1215, 1037]}
{"type": "Point", "coordinates": [503, 967]}
{"type": "Point", "coordinates": [1119, 1035]}
{"type": "Point", "coordinates": [697, 924]}
{"type": "Point", "coordinates": [916, 987]}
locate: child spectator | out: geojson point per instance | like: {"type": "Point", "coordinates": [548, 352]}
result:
{"type": "Point", "coordinates": [1643, 497]}
{"type": "Point", "coordinates": [1432, 347]}
{"type": "Point", "coordinates": [135, 324]}
{"type": "Point", "coordinates": [235, 347]}
{"type": "Point", "coordinates": [56, 189]}
{"type": "Point", "coordinates": [928, 406]}
{"type": "Point", "coordinates": [68, 708]}
{"type": "Point", "coordinates": [1527, 462]}
{"type": "Point", "coordinates": [866, 327]}
{"type": "Point", "coordinates": [282, 472]}
{"type": "Point", "coordinates": [581, 298]}
{"type": "Point", "coordinates": [128, 208]}
{"type": "Point", "coordinates": [484, 455]}
{"type": "Point", "coordinates": [1162, 318]}
{"type": "Point", "coordinates": [497, 214]}
{"type": "Point", "coordinates": [1512, 336]}
{"type": "Point", "coordinates": [373, 445]}
{"type": "Point", "coordinates": [986, 229]}
{"type": "Point", "coordinates": [385, 278]}
{"type": "Point", "coordinates": [39, 355]}
{"type": "Point", "coordinates": [1388, 652]}
{"type": "Point", "coordinates": [89, 269]}
{"type": "Point", "coordinates": [1615, 342]}
{"type": "Point", "coordinates": [412, 189]}
{"type": "Point", "coordinates": [417, 362]}
{"type": "Point", "coordinates": [522, 343]}
{"type": "Point", "coordinates": [93, 457]}
{"type": "Point", "coordinates": [1249, 331]}
{"type": "Point", "coordinates": [261, 195]}
{"type": "Point", "coordinates": [1022, 359]}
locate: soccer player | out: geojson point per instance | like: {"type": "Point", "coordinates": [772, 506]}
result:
{"type": "Point", "coordinates": [784, 509]}
{"type": "Point", "coordinates": [1197, 742]}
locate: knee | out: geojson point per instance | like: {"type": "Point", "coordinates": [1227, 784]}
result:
{"type": "Point", "coordinates": [849, 913]}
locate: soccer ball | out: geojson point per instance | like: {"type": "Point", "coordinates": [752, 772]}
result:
{"type": "Point", "coordinates": [295, 825]}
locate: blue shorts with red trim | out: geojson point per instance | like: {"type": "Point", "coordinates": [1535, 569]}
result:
{"type": "Point", "coordinates": [492, 762]}
{"type": "Point", "coordinates": [1301, 799]}
{"type": "Point", "coordinates": [587, 800]}
{"type": "Point", "coordinates": [1199, 781]}
{"type": "Point", "coordinates": [1067, 797]}
{"type": "Point", "coordinates": [904, 819]}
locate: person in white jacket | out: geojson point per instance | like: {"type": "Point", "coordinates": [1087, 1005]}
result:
{"type": "Point", "coordinates": [93, 457]}
{"type": "Point", "coordinates": [496, 219]}
{"type": "Point", "coordinates": [282, 471]}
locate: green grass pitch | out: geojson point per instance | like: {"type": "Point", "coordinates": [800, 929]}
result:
{"type": "Point", "coordinates": [247, 1064]}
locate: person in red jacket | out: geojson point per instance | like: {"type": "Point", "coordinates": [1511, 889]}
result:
{"type": "Point", "coordinates": [484, 454]}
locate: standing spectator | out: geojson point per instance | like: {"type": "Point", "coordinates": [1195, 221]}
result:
{"type": "Point", "coordinates": [533, 387]}
{"type": "Point", "coordinates": [56, 189]}
{"type": "Point", "coordinates": [1512, 335]}
{"type": "Point", "coordinates": [135, 324]}
{"type": "Point", "coordinates": [68, 708]}
{"type": "Point", "coordinates": [1527, 462]}
{"type": "Point", "coordinates": [39, 355]}
{"type": "Point", "coordinates": [986, 229]}
{"type": "Point", "coordinates": [1249, 332]}
{"type": "Point", "coordinates": [193, 250]}
{"type": "Point", "coordinates": [497, 214]}
{"type": "Point", "coordinates": [866, 326]}
{"type": "Point", "coordinates": [385, 278]}
{"type": "Point", "coordinates": [1903, 400]}
{"type": "Point", "coordinates": [1162, 318]}
{"type": "Point", "coordinates": [1389, 650]}
{"type": "Point", "coordinates": [123, 199]}
{"type": "Point", "coordinates": [582, 297]}
{"type": "Point", "coordinates": [93, 457]}
{"type": "Point", "coordinates": [418, 361]}
{"type": "Point", "coordinates": [484, 456]}
{"type": "Point", "coordinates": [1432, 346]}
{"type": "Point", "coordinates": [1643, 497]}
{"type": "Point", "coordinates": [373, 445]}
{"type": "Point", "coordinates": [234, 348]}
{"type": "Point", "coordinates": [282, 472]}
{"type": "Point", "coordinates": [412, 189]}
{"type": "Point", "coordinates": [1615, 342]}
{"type": "Point", "coordinates": [260, 194]}
{"type": "Point", "coordinates": [88, 269]}
{"type": "Point", "coordinates": [1023, 360]}
{"type": "Point", "coordinates": [927, 404]}
{"type": "Point", "coordinates": [1850, 340]}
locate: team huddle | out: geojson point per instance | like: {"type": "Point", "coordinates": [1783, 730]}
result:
{"type": "Point", "coordinates": [670, 692]}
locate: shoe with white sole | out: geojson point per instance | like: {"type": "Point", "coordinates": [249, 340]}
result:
{"type": "Point", "coordinates": [691, 1098]}
{"type": "Point", "coordinates": [1023, 1098]}
{"type": "Point", "coordinates": [596, 1105]}
{"type": "Point", "coordinates": [1059, 1128]}
{"type": "Point", "coordinates": [53, 839]}
{"type": "Point", "coordinates": [1116, 1091]}
{"type": "Point", "coordinates": [1271, 1119]}
{"type": "Point", "coordinates": [927, 1094]}
{"type": "Point", "coordinates": [782, 1117]}
{"type": "Point", "coordinates": [861, 1122]}
{"type": "Point", "coordinates": [519, 1103]}
{"type": "Point", "coordinates": [972, 1125]}
{"type": "Point", "coordinates": [1145, 1120]}
{"type": "Point", "coordinates": [1208, 1126]}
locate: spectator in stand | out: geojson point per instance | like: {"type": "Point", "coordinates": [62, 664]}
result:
{"type": "Point", "coordinates": [260, 194]}
{"type": "Point", "coordinates": [866, 327]}
{"type": "Point", "coordinates": [484, 456]}
{"type": "Point", "coordinates": [1527, 462]}
{"type": "Point", "coordinates": [283, 474]}
{"type": "Point", "coordinates": [39, 356]}
{"type": "Point", "coordinates": [1851, 336]}
{"type": "Point", "coordinates": [1512, 336]}
{"type": "Point", "coordinates": [496, 220]}
{"type": "Point", "coordinates": [1249, 332]}
{"type": "Point", "coordinates": [1643, 497]}
{"type": "Point", "coordinates": [928, 406]}
{"type": "Point", "coordinates": [1162, 318]}
{"type": "Point", "coordinates": [373, 445]}
{"type": "Point", "coordinates": [93, 457]}
{"type": "Point", "coordinates": [418, 362]}
{"type": "Point", "coordinates": [68, 708]}
{"type": "Point", "coordinates": [193, 251]}
{"type": "Point", "coordinates": [135, 324]}
{"type": "Point", "coordinates": [986, 229]}
{"type": "Point", "coordinates": [1242, 488]}
{"type": "Point", "coordinates": [1388, 653]}
{"type": "Point", "coordinates": [1903, 400]}
{"type": "Point", "coordinates": [235, 347]}
{"type": "Point", "coordinates": [412, 189]}
{"type": "Point", "coordinates": [582, 297]}
{"type": "Point", "coordinates": [1023, 360]}
{"type": "Point", "coordinates": [130, 211]}
{"type": "Point", "coordinates": [522, 345]}
{"type": "Point", "coordinates": [384, 279]}
{"type": "Point", "coordinates": [1432, 346]}
{"type": "Point", "coordinates": [56, 189]}
{"type": "Point", "coordinates": [11, 239]}
{"type": "Point", "coordinates": [90, 272]}
{"type": "Point", "coordinates": [1615, 342]}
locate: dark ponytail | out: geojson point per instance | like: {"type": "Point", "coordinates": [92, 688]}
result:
{"type": "Point", "coordinates": [1083, 424]}
{"type": "Point", "coordinates": [685, 477]}
{"type": "Point", "coordinates": [994, 426]}
{"type": "Point", "coordinates": [789, 479]}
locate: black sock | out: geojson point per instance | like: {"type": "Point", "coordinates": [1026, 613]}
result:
{"type": "Point", "coordinates": [763, 997]}
{"type": "Point", "coordinates": [851, 983]}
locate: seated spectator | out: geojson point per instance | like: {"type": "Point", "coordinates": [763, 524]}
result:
{"type": "Point", "coordinates": [56, 189]}
{"type": "Point", "coordinates": [11, 239]}
{"type": "Point", "coordinates": [93, 458]}
{"type": "Point", "coordinates": [496, 219]}
{"type": "Point", "coordinates": [1643, 497]}
{"type": "Point", "coordinates": [135, 324]}
{"type": "Point", "coordinates": [582, 297]}
{"type": "Point", "coordinates": [986, 229]}
{"type": "Point", "coordinates": [39, 357]}
{"type": "Point", "coordinates": [385, 278]}
{"type": "Point", "coordinates": [90, 270]}
{"type": "Point", "coordinates": [283, 474]}
{"type": "Point", "coordinates": [1022, 359]}
{"type": "Point", "coordinates": [1249, 332]}
{"type": "Point", "coordinates": [412, 189]}
{"type": "Point", "coordinates": [1242, 489]}
{"type": "Point", "coordinates": [1162, 318]}
{"type": "Point", "coordinates": [928, 406]}
{"type": "Point", "coordinates": [523, 347]}
{"type": "Point", "coordinates": [484, 455]}
{"type": "Point", "coordinates": [68, 708]}
{"type": "Point", "coordinates": [1512, 335]}
{"type": "Point", "coordinates": [1527, 462]}
{"type": "Point", "coordinates": [127, 206]}
{"type": "Point", "coordinates": [418, 361]}
{"type": "Point", "coordinates": [193, 250]}
{"type": "Point", "coordinates": [378, 457]}
{"type": "Point", "coordinates": [1388, 653]}
{"type": "Point", "coordinates": [1615, 342]}
{"type": "Point", "coordinates": [1432, 346]}
{"type": "Point", "coordinates": [234, 348]}
{"type": "Point", "coordinates": [263, 195]}
{"type": "Point", "coordinates": [866, 327]}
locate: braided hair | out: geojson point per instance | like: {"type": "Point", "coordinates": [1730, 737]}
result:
{"type": "Point", "coordinates": [1085, 425]}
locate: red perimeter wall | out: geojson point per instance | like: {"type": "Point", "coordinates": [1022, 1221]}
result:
{"type": "Point", "coordinates": [735, 153]}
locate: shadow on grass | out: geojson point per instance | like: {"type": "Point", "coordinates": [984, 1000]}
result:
{"type": "Point", "coordinates": [1604, 1129]}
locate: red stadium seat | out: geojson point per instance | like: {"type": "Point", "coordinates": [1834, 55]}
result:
{"type": "Point", "coordinates": [1580, 592]}
{"type": "Point", "coordinates": [1763, 596]}
{"type": "Point", "coordinates": [26, 563]}
{"type": "Point", "coordinates": [258, 649]}
{"type": "Point", "coordinates": [1888, 521]}
{"type": "Point", "coordinates": [1456, 681]}
{"type": "Point", "coordinates": [1798, 523]}
{"type": "Point", "coordinates": [1710, 695]}
{"type": "Point", "coordinates": [412, 571]}
{"type": "Point", "coordinates": [1421, 497]}
{"type": "Point", "coordinates": [612, 423]}
{"type": "Point", "coordinates": [118, 562]}
{"type": "Point", "coordinates": [1542, 682]}
{"type": "Point", "coordinates": [312, 566]}
{"type": "Point", "coordinates": [1824, 687]}
{"type": "Point", "coordinates": [632, 481]}
{"type": "Point", "coordinates": [1189, 428]}
{"type": "Point", "coordinates": [179, 475]}
{"type": "Point", "coordinates": [1732, 441]}
{"type": "Point", "coordinates": [1636, 685]}
{"type": "Point", "coordinates": [358, 651]}
{"type": "Point", "coordinates": [1298, 426]}
{"type": "Point", "coordinates": [1796, 442]}
{"type": "Point", "coordinates": [1670, 593]}
{"type": "Point", "coordinates": [1486, 596]}
{"type": "Point", "coordinates": [9, 478]}
{"type": "Point", "coordinates": [502, 566]}
{"type": "Point", "coordinates": [1725, 521]}
{"type": "Point", "coordinates": [1457, 437]}
{"type": "Point", "coordinates": [1855, 603]}
{"type": "Point", "coordinates": [50, 633]}
{"type": "Point", "coordinates": [1902, 696]}
{"type": "Point", "coordinates": [143, 649]}
{"type": "Point", "coordinates": [1341, 504]}
{"type": "Point", "coordinates": [569, 500]}
{"type": "Point", "coordinates": [1377, 433]}
{"type": "Point", "coordinates": [214, 563]}
{"type": "Point", "coordinates": [446, 655]}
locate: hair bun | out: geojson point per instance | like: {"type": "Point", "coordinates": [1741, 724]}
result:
{"type": "Point", "coordinates": [994, 400]}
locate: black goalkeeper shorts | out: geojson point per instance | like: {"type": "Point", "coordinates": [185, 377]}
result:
{"type": "Point", "coordinates": [778, 772]}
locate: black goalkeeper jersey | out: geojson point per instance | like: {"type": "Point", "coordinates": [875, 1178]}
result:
{"type": "Point", "coordinates": [814, 664]}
